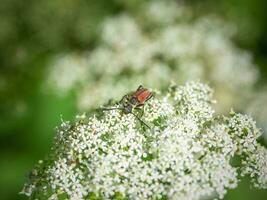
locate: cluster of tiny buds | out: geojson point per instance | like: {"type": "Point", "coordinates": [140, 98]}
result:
{"type": "Point", "coordinates": [184, 155]}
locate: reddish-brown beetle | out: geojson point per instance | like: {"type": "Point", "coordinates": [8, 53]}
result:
{"type": "Point", "coordinates": [134, 100]}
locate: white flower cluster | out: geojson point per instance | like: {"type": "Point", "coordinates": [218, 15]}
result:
{"type": "Point", "coordinates": [66, 72]}
{"type": "Point", "coordinates": [153, 48]}
{"type": "Point", "coordinates": [186, 154]}
{"type": "Point", "coordinates": [258, 109]}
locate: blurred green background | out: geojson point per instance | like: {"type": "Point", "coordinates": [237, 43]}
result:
{"type": "Point", "coordinates": [31, 32]}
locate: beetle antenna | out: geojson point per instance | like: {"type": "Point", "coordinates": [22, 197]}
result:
{"type": "Point", "coordinates": [107, 109]}
{"type": "Point", "coordinates": [141, 120]}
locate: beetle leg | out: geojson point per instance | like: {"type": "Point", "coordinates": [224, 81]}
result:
{"type": "Point", "coordinates": [141, 120]}
{"type": "Point", "coordinates": [140, 87]}
{"type": "Point", "coordinates": [151, 95]}
{"type": "Point", "coordinates": [140, 109]}
{"type": "Point", "coordinates": [139, 105]}
{"type": "Point", "coordinates": [123, 99]}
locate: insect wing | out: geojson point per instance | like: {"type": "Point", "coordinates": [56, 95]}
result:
{"type": "Point", "coordinates": [142, 95]}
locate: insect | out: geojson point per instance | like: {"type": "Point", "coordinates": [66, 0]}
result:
{"type": "Point", "coordinates": [134, 101]}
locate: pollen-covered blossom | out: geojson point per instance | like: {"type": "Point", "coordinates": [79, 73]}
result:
{"type": "Point", "coordinates": [186, 154]}
{"type": "Point", "coordinates": [153, 48]}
